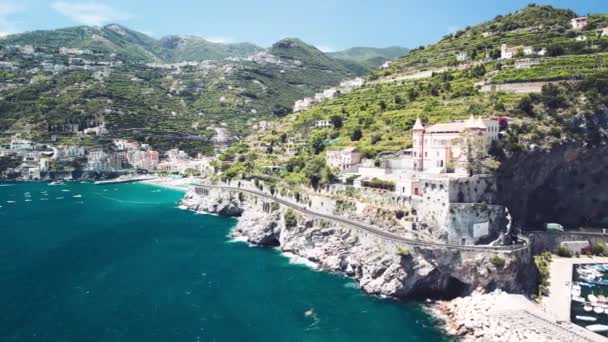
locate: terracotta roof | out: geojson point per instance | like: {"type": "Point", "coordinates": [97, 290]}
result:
{"type": "Point", "coordinates": [446, 127]}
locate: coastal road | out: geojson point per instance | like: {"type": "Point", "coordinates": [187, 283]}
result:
{"type": "Point", "coordinates": [371, 229]}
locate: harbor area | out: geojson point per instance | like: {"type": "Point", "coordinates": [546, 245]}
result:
{"type": "Point", "coordinates": [578, 293]}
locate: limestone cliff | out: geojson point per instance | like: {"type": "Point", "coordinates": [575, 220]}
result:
{"type": "Point", "coordinates": [568, 184]}
{"type": "Point", "coordinates": [379, 266]}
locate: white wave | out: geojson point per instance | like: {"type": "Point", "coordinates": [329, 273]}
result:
{"type": "Point", "coordinates": [65, 190]}
{"type": "Point", "coordinates": [11, 202]}
{"type": "Point", "coordinates": [182, 207]}
{"type": "Point", "coordinates": [3, 185]}
{"type": "Point", "coordinates": [59, 198]}
{"type": "Point", "coordinates": [351, 285]}
{"type": "Point", "coordinates": [28, 200]}
{"type": "Point", "coordinates": [77, 196]}
{"type": "Point", "coordinates": [298, 260]}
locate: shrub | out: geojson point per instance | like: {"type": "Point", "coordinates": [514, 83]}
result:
{"type": "Point", "coordinates": [564, 252]}
{"type": "Point", "coordinates": [542, 263]}
{"type": "Point", "coordinates": [290, 219]}
{"type": "Point", "coordinates": [399, 214]}
{"type": "Point", "coordinates": [403, 252]}
{"type": "Point", "coordinates": [600, 249]}
{"type": "Point", "coordinates": [498, 262]}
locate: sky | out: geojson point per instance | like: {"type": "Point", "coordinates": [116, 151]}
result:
{"type": "Point", "coordinates": [330, 25]}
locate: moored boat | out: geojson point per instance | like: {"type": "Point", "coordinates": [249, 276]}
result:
{"type": "Point", "coordinates": [586, 318]}
{"type": "Point", "coordinates": [597, 327]}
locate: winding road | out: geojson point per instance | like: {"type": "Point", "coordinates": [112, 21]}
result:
{"type": "Point", "coordinates": [371, 229]}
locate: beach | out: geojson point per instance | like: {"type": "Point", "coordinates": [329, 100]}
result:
{"type": "Point", "coordinates": [181, 184]}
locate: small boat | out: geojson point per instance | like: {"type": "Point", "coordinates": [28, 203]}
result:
{"type": "Point", "coordinates": [597, 327]}
{"type": "Point", "coordinates": [578, 299]}
{"type": "Point", "coordinates": [592, 298]}
{"type": "Point", "coordinates": [601, 299]}
{"type": "Point", "coordinates": [586, 318]}
{"type": "Point", "coordinates": [56, 183]}
{"type": "Point", "coordinates": [598, 310]}
{"type": "Point", "coordinates": [588, 308]}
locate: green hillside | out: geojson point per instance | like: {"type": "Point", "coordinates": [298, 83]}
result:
{"type": "Point", "coordinates": [370, 57]}
{"type": "Point", "coordinates": [164, 105]}
{"type": "Point", "coordinates": [178, 49]}
{"type": "Point", "coordinates": [536, 26]}
{"type": "Point", "coordinates": [378, 117]}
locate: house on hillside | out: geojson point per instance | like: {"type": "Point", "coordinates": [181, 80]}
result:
{"type": "Point", "coordinates": [343, 159]}
{"type": "Point", "coordinates": [603, 31]}
{"type": "Point", "coordinates": [507, 52]}
{"type": "Point", "coordinates": [462, 56]}
{"type": "Point", "coordinates": [581, 38]}
{"type": "Point", "coordinates": [323, 124]}
{"type": "Point", "coordinates": [437, 146]}
{"type": "Point", "coordinates": [579, 23]}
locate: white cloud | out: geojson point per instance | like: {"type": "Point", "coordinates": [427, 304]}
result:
{"type": "Point", "coordinates": [89, 13]}
{"type": "Point", "coordinates": [6, 10]}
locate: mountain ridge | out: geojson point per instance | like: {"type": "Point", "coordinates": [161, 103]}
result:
{"type": "Point", "coordinates": [138, 46]}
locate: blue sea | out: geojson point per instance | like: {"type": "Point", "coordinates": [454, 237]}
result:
{"type": "Point", "coordinates": [83, 262]}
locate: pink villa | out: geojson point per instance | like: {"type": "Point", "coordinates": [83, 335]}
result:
{"type": "Point", "coordinates": [435, 147]}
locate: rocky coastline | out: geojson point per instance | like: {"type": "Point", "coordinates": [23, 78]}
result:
{"type": "Point", "coordinates": [475, 299]}
{"type": "Point", "coordinates": [380, 268]}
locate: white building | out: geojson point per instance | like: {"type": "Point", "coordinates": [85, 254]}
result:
{"type": "Point", "coordinates": [579, 23]}
{"type": "Point", "coordinates": [303, 104]}
{"type": "Point", "coordinates": [581, 38]}
{"type": "Point", "coordinates": [21, 144]}
{"type": "Point", "coordinates": [507, 52]}
{"type": "Point", "coordinates": [323, 124]}
{"type": "Point", "coordinates": [462, 56]}
{"type": "Point", "coordinates": [343, 159]}
{"type": "Point", "coordinates": [436, 146]}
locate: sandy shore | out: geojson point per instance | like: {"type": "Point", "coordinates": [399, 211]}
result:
{"type": "Point", "coordinates": [174, 183]}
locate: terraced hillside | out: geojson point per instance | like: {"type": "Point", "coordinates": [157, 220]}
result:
{"type": "Point", "coordinates": [378, 117]}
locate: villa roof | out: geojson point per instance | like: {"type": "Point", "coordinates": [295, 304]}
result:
{"type": "Point", "coordinates": [446, 127]}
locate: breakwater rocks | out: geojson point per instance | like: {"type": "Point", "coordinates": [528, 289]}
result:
{"type": "Point", "coordinates": [381, 266]}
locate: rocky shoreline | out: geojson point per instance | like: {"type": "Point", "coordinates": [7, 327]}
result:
{"type": "Point", "coordinates": [379, 270]}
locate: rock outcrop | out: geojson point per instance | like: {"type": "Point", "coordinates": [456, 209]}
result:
{"type": "Point", "coordinates": [568, 184]}
{"type": "Point", "coordinates": [381, 267]}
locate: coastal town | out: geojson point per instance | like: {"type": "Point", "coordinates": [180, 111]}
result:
{"type": "Point", "coordinates": [34, 161]}
{"type": "Point", "coordinates": [469, 173]}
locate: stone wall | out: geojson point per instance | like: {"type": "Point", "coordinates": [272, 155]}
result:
{"type": "Point", "coordinates": [550, 241]}
{"type": "Point", "coordinates": [475, 223]}
{"type": "Point", "coordinates": [476, 189]}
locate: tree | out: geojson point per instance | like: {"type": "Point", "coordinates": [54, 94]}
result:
{"type": "Point", "coordinates": [356, 134]}
{"type": "Point", "coordinates": [336, 121]}
{"type": "Point", "coordinates": [474, 157]}
{"type": "Point", "coordinates": [316, 141]}
{"type": "Point", "coordinates": [317, 172]}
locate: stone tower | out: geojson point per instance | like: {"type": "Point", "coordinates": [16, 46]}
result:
{"type": "Point", "coordinates": [418, 142]}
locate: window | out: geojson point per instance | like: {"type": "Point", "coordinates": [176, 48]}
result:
{"type": "Point", "coordinates": [426, 154]}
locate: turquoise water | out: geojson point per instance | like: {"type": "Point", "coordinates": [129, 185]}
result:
{"type": "Point", "coordinates": [123, 263]}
